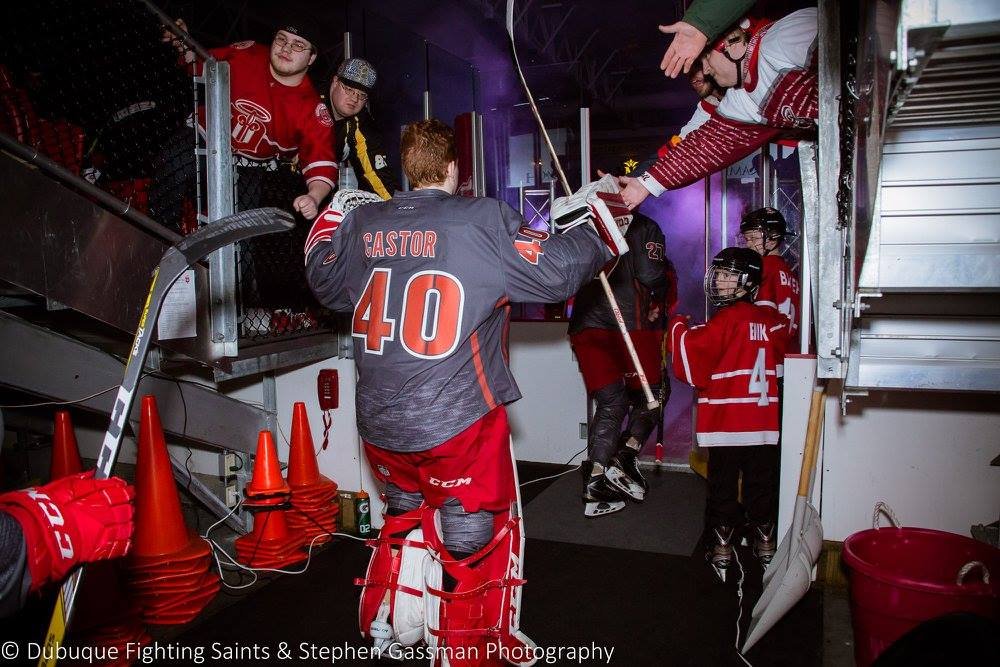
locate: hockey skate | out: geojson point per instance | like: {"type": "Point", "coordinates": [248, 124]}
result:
{"type": "Point", "coordinates": [634, 483]}
{"type": "Point", "coordinates": [600, 496]}
{"type": "Point", "coordinates": [764, 544]}
{"type": "Point", "coordinates": [719, 551]}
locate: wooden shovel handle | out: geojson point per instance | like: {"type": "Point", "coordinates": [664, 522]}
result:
{"type": "Point", "coordinates": [816, 409]}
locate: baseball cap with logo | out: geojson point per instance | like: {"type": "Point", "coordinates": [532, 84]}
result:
{"type": "Point", "coordinates": [357, 73]}
{"type": "Point", "coordinates": [299, 26]}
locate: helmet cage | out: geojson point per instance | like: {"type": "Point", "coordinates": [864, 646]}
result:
{"type": "Point", "coordinates": [742, 288]}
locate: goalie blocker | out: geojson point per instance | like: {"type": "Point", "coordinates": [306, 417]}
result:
{"type": "Point", "coordinates": [600, 204]}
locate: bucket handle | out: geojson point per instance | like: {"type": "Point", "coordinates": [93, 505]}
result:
{"type": "Point", "coordinates": [881, 507]}
{"type": "Point", "coordinates": [969, 567]}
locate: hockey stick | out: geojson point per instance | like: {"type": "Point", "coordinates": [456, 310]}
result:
{"type": "Point", "coordinates": [651, 401]}
{"type": "Point", "coordinates": [237, 227]}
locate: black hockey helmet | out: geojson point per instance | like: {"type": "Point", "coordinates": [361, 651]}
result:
{"type": "Point", "coordinates": [744, 265]}
{"type": "Point", "coordinates": [767, 219]}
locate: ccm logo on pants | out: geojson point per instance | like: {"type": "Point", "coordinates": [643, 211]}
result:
{"type": "Point", "coordinates": [451, 483]}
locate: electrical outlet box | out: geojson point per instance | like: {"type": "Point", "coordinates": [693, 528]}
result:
{"type": "Point", "coordinates": [228, 465]}
{"type": "Point", "coordinates": [232, 496]}
{"type": "Point", "coordinates": [583, 430]}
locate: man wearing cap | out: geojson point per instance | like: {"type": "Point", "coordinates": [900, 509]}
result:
{"type": "Point", "coordinates": [770, 73]}
{"type": "Point", "coordinates": [277, 114]}
{"type": "Point", "coordinates": [358, 143]}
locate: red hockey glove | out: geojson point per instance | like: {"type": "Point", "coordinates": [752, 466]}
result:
{"type": "Point", "coordinates": [75, 519]}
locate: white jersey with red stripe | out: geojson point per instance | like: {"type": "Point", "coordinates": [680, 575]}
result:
{"type": "Point", "coordinates": [779, 289]}
{"type": "Point", "coordinates": [733, 361]}
{"type": "Point", "coordinates": [428, 277]}
{"type": "Point", "coordinates": [272, 120]}
{"type": "Point", "coordinates": [779, 96]}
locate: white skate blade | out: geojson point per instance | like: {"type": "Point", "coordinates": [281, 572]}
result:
{"type": "Point", "coordinates": [624, 483]}
{"type": "Point", "coordinates": [601, 507]}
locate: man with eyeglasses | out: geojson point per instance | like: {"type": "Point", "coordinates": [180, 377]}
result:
{"type": "Point", "coordinates": [277, 115]}
{"type": "Point", "coordinates": [358, 142]}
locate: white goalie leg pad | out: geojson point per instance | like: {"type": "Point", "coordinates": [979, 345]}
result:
{"type": "Point", "coordinates": [391, 609]}
{"type": "Point", "coordinates": [478, 622]}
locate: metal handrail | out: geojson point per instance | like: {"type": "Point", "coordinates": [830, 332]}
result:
{"type": "Point", "coordinates": [170, 25]}
{"type": "Point", "coordinates": [122, 209]}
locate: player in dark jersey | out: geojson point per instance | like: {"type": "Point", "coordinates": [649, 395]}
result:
{"type": "Point", "coordinates": [46, 531]}
{"type": "Point", "coordinates": [733, 363]}
{"type": "Point", "coordinates": [638, 280]}
{"type": "Point", "coordinates": [359, 143]}
{"type": "Point", "coordinates": [428, 276]}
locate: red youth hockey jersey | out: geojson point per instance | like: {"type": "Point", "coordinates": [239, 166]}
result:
{"type": "Point", "coordinates": [779, 94]}
{"type": "Point", "coordinates": [733, 363]}
{"type": "Point", "coordinates": [272, 120]}
{"type": "Point", "coordinates": [428, 277]}
{"type": "Point", "coordinates": [779, 289]}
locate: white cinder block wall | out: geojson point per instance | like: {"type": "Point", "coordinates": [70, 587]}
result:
{"type": "Point", "coordinates": [926, 454]}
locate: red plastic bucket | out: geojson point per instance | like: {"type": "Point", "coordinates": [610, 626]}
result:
{"type": "Point", "coordinates": [901, 577]}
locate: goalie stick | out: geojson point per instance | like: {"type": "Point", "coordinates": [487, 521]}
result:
{"type": "Point", "coordinates": [651, 401]}
{"type": "Point", "coordinates": [177, 259]}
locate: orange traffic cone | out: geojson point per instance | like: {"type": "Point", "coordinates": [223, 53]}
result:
{"type": "Point", "coordinates": [302, 467]}
{"type": "Point", "coordinates": [65, 453]}
{"type": "Point", "coordinates": [159, 523]}
{"type": "Point", "coordinates": [266, 480]}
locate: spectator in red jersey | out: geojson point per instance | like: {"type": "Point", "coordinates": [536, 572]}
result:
{"type": "Point", "coordinates": [277, 116]}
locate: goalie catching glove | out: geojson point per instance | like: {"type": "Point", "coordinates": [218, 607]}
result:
{"type": "Point", "coordinates": [600, 204]}
{"type": "Point", "coordinates": [75, 519]}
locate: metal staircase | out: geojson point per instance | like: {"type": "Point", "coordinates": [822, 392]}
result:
{"type": "Point", "coordinates": [909, 237]}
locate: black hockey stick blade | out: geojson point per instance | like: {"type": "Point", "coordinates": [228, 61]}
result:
{"type": "Point", "coordinates": [191, 249]}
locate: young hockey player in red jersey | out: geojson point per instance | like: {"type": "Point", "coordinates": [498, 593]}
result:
{"type": "Point", "coordinates": [732, 361]}
{"type": "Point", "coordinates": [429, 276]}
{"type": "Point", "coordinates": [764, 231]}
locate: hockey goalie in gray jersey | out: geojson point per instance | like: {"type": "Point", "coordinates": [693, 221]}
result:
{"type": "Point", "coordinates": [428, 277]}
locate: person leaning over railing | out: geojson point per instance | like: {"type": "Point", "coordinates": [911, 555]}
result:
{"type": "Point", "coordinates": [276, 112]}
{"type": "Point", "coordinates": [771, 76]}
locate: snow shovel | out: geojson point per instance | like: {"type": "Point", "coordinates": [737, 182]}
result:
{"type": "Point", "coordinates": [788, 577]}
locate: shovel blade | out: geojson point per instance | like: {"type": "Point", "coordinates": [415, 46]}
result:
{"type": "Point", "coordinates": [791, 588]}
{"type": "Point", "coordinates": [809, 516]}
{"type": "Point", "coordinates": [809, 544]}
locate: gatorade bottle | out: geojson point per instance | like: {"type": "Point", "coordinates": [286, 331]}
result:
{"type": "Point", "coordinates": [364, 514]}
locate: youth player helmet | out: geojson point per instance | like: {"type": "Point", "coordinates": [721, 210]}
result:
{"type": "Point", "coordinates": [734, 275]}
{"type": "Point", "coordinates": [736, 35]}
{"type": "Point", "coordinates": [768, 220]}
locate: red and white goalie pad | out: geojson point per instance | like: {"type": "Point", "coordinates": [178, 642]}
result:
{"type": "Point", "coordinates": [477, 623]}
{"type": "Point", "coordinates": [391, 609]}
{"type": "Point", "coordinates": [327, 222]}
{"type": "Point", "coordinates": [599, 203]}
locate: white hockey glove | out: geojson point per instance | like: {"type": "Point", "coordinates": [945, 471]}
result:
{"type": "Point", "coordinates": [327, 222]}
{"type": "Point", "coordinates": [600, 204]}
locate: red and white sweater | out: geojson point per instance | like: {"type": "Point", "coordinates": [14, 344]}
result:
{"type": "Point", "coordinates": [779, 94]}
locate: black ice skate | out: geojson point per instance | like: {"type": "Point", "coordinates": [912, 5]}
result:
{"type": "Point", "coordinates": [764, 544]}
{"type": "Point", "coordinates": [600, 497]}
{"type": "Point", "coordinates": [634, 483]}
{"type": "Point", "coordinates": [719, 553]}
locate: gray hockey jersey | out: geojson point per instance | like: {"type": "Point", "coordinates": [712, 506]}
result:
{"type": "Point", "coordinates": [427, 277]}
